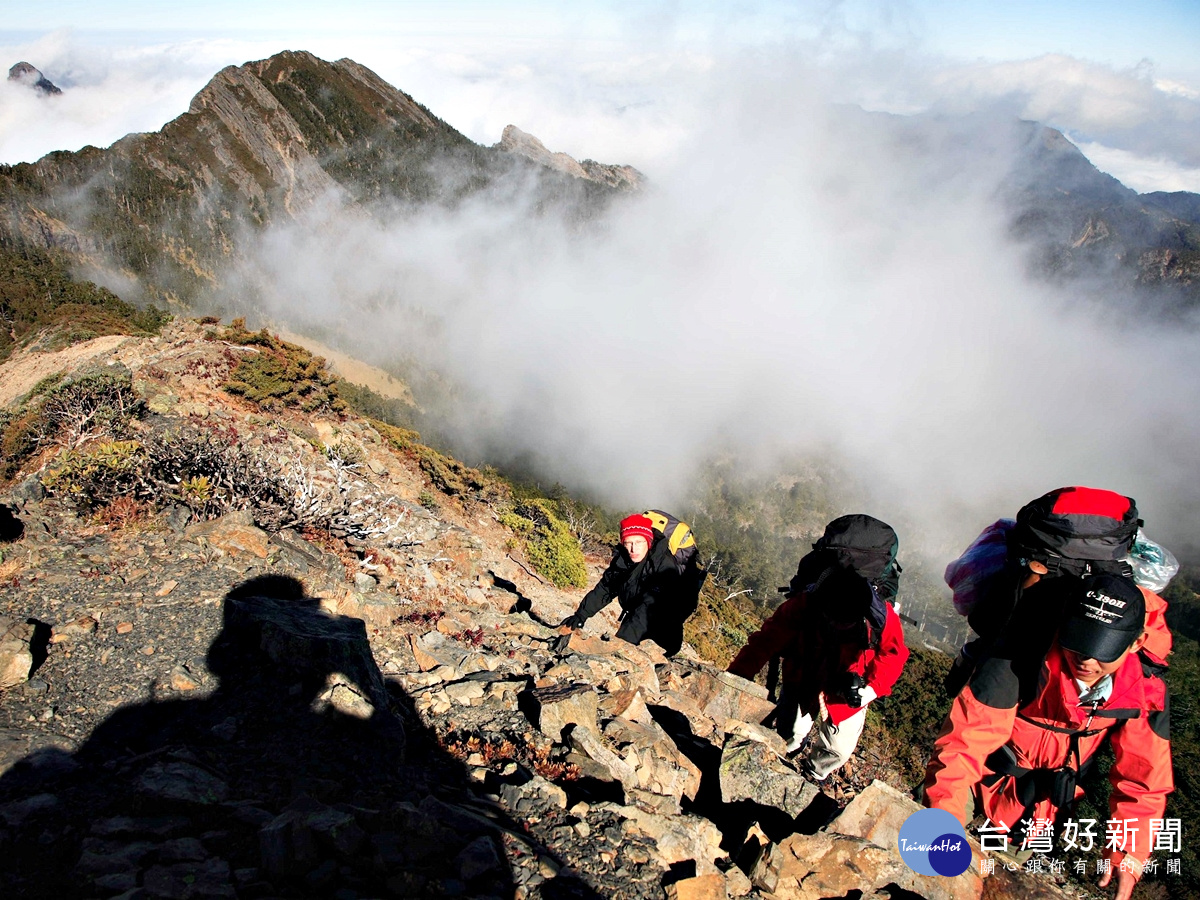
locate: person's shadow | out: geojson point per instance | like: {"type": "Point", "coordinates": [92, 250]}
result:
{"type": "Point", "coordinates": [298, 777]}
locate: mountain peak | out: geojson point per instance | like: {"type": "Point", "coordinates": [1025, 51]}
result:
{"type": "Point", "coordinates": [514, 140]}
{"type": "Point", "coordinates": [28, 74]}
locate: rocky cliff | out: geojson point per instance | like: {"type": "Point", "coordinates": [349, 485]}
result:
{"type": "Point", "coordinates": [326, 669]}
{"type": "Point", "coordinates": [260, 143]}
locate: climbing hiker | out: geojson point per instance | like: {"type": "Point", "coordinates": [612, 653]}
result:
{"type": "Point", "coordinates": [656, 577]}
{"type": "Point", "coordinates": [1026, 727]}
{"type": "Point", "coordinates": [841, 644]}
{"type": "Point", "coordinates": [1011, 582]}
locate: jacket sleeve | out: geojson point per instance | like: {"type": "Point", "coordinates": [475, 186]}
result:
{"type": "Point", "coordinates": [1141, 779]}
{"type": "Point", "coordinates": [883, 671]}
{"type": "Point", "coordinates": [971, 732]}
{"type": "Point", "coordinates": [775, 634]}
{"type": "Point", "coordinates": [606, 588]}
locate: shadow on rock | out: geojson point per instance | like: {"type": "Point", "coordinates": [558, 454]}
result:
{"type": "Point", "coordinates": [297, 777]}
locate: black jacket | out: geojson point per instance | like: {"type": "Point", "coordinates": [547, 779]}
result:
{"type": "Point", "coordinates": [656, 595]}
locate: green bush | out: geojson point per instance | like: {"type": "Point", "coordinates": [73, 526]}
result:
{"type": "Point", "coordinates": [551, 547]}
{"type": "Point", "coordinates": [281, 375]}
{"type": "Point", "coordinates": [96, 475]}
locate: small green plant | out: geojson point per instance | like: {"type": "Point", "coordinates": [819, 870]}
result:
{"type": "Point", "coordinates": [346, 452]}
{"type": "Point", "coordinates": [97, 475]}
{"type": "Point", "coordinates": [427, 500]}
{"type": "Point", "coordinates": [551, 547]}
{"type": "Point", "coordinates": [281, 375]}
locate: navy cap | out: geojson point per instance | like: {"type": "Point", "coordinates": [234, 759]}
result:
{"type": "Point", "coordinates": [1103, 618]}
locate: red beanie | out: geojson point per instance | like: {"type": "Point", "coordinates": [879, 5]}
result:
{"type": "Point", "coordinates": [639, 525]}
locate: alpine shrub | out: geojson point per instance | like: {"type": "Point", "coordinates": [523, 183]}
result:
{"type": "Point", "coordinates": [551, 547]}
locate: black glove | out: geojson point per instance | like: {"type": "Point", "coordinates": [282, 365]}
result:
{"type": "Point", "coordinates": [575, 620]}
{"type": "Point", "coordinates": [851, 691]}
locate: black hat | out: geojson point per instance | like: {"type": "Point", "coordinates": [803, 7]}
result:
{"type": "Point", "coordinates": [1105, 615]}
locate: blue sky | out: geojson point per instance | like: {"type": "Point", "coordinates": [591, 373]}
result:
{"type": "Point", "coordinates": [613, 80]}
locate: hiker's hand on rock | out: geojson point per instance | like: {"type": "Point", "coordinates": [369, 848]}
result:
{"type": "Point", "coordinates": [572, 621]}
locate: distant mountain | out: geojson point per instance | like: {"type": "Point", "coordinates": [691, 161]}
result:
{"type": "Point", "coordinates": [1085, 225]}
{"type": "Point", "coordinates": [261, 143]}
{"type": "Point", "coordinates": [265, 141]}
{"type": "Point", "coordinates": [26, 73]}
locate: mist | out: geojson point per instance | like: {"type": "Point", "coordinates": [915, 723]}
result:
{"type": "Point", "coordinates": [795, 280]}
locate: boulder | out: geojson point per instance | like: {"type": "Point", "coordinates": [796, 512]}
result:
{"type": "Point", "coordinates": [751, 771]}
{"type": "Point", "coordinates": [661, 768]}
{"type": "Point", "coordinates": [808, 867]}
{"type": "Point", "coordinates": [702, 887]}
{"type": "Point", "coordinates": [676, 838]}
{"type": "Point", "coordinates": [234, 533]}
{"type": "Point", "coordinates": [16, 656]}
{"type": "Point", "coordinates": [554, 708]}
{"type": "Point", "coordinates": [296, 634]}
{"type": "Point", "coordinates": [720, 695]}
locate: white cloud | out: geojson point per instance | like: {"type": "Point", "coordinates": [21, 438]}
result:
{"type": "Point", "coordinates": [797, 279]}
{"type": "Point", "coordinates": [1143, 174]}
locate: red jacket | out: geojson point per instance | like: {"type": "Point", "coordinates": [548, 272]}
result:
{"type": "Point", "coordinates": [816, 657]}
{"type": "Point", "coordinates": [985, 717]}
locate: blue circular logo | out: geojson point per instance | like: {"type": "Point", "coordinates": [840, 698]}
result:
{"type": "Point", "coordinates": [933, 842]}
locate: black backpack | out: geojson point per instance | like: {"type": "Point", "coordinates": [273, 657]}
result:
{"type": "Point", "coordinates": [1013, 601]}
{"type": "Point", "coordinates": [858, 543]}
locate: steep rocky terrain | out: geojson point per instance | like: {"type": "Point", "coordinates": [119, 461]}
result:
{"type": "Point", "coordinates": [355, 690]}
{"type": "Point", "coordinates": [261, 143]}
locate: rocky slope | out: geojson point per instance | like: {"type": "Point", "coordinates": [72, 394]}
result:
{"type": "Point", "coordinates": [261, 143]}
{"type": "Point", "coordinates": [252, 706]}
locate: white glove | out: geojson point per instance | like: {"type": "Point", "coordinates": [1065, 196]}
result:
{"type": "Point", "coordinates": [867, 694]}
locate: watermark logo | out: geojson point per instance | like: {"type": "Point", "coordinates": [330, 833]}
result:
{"type": "Point", "coordinates": [933, 842]}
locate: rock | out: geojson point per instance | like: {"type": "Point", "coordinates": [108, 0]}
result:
{"type": "Point", "coordinates": [675, 839]}
{"type": "Point", "coordinates": [17, 812]}
{"type": "Point", "coordinates": [546, 792]}
{"type": "Point", "coordinates": [183, 781]}
{"type": "Point", "coordinates": [80, 627]}
{"type": "Point", "coordinates": [152, 826]}
{"type": "Point", "coordinates": [554, 708]}
{"type": "Point", "coordinates": [807, 867]}
{"type": "Point", "coordinates": [720, 695]}
{"type": "Point", "coordinates": [434, 649]}
{"type": "Point", "coordinates": [587, 743]}
{"type": "Point", "coordinates": [16, 655]}
{"type": "Point", "coordinates": [364, 582]}
{"type": "Point", "coordinates": [190, 881]}
{"type": "Point", "coordinates": [750, 771]}
{"type": "Point", "coordinates": [760, 733]}
{"type": "Point", "coordinates": [661, 768]}
{"type": "Point", "coordinates": [478, 858]}
{"type": "Point", "coordinates": [736, 883]}
{"type": "Point", "coordinates": [234, 533]}
{"type": "Point", "coordinates": [630, 705]}
{"type": "Point", "coordinates": [342, 695]}
{"type": "Point", "coordinates": [30, 490]}
{"type": "Point", "coordinates": [297, 635]}
{"type": "Point", "coordinates": [182, 680]}
{"type": "Point", "coordinates": [463, 692]}
{"type": "Point", "coordinates": [106, 857]}
{"type": "Point", "coordinates": [702, 887]}
{"type": "Point", "coordinates": [124, 627]}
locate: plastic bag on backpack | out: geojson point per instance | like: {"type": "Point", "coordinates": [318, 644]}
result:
{"type": "Point", "coordinates": [1153, 564]}
{"type": "Point", "coordinates": [985, 558]}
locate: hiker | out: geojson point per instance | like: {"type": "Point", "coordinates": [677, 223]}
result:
{"type": "Point", "coordinates": [655, 576]}
{"type": "Point", "coordinates": [841, 643]}
{"type": "Point", "coordinates": [1023, 729]}
{"type": "Point", "coordinates": [1010, 583]}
